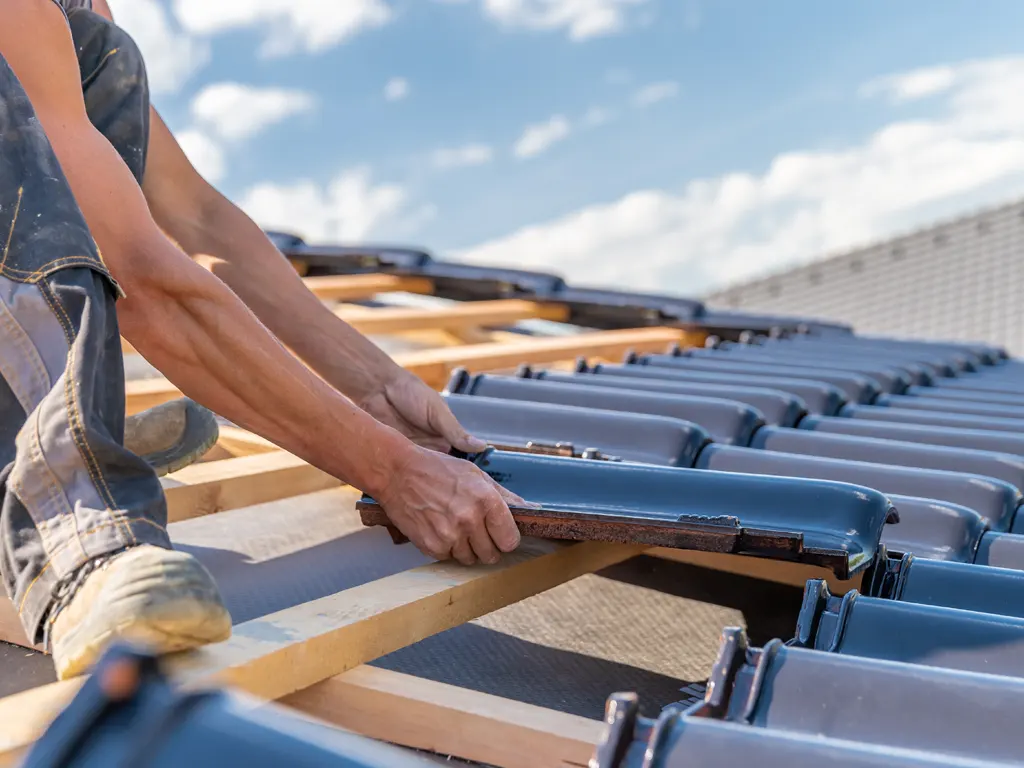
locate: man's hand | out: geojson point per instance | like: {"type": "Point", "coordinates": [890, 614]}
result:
{"type": "Point", "coordinates": [448, 507]}
{"type": "Point", "coordinates": [406, 404]}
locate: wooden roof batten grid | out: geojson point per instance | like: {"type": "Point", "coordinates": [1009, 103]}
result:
{"type": "Point", "coordinates": [320, 667]}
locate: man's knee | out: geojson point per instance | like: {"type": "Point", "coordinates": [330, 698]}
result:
{"type": "Point", "coordinates": [55, 235]}
{"type": "Point", "coordinates": [114, 84]}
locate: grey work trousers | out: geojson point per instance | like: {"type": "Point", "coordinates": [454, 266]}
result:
{"type": "Point", "coordinates": [69, 489]}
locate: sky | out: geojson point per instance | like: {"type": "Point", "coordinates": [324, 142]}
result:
{"type": "Point", "coordinates": [670, 145]}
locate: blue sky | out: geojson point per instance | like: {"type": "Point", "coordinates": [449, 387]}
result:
{"type": "Point", "coordinates": [677, 144]}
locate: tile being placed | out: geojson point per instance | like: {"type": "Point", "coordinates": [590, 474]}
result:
{"type": "Point", "coordinates": [835, 525]}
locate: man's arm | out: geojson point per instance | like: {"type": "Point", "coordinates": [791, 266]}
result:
{"type": "Point", "coordinates": [210, 227]}
{"type": "Point", "coordinates": [192, 327]}
{"type": "Point", "coordinates": [206, 224]}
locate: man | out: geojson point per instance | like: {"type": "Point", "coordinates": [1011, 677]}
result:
{"type": "Point", "coordinates": [90, 181]}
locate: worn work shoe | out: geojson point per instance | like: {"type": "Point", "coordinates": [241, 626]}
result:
{"type": "Point", "coordinates": [172, 435]}
{"type": "Point", "coordinates": [161, 599]}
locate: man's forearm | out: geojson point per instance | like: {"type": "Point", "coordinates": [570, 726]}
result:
{"type": "Point", "coordinates": [212, 347]}
{"type": "Point", "coordinates": [245, 259]}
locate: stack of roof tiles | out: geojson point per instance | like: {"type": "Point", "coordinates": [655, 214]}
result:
{"type": "Point", "coordinates": [897, 463]}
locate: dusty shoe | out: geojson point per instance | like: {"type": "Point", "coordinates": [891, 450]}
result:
{"type": "Point", "coordinates": [159, 598]}
{"type": "Point", "coordinates": [172, 435]}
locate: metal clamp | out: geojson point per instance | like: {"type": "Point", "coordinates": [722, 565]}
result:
{"type": "Point", "coordinates": [563, 449]}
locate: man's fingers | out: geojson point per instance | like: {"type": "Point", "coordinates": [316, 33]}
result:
{"type": "Point", "coordinates": [463, 552]}
{"type": "Point", "coordinates": [431, 545]}
{"type": "Point", "coordinates": [500, 524]}
{"type": "Point", "coordinates": [461, 440]}
{"type": "Point", "coordinates": [469, 443]}
{"type": "Point", "coordinates": [483, 546]}
{"type": "Point", "coordinates": [512, 499]}
{"type": "Point", "coordinates": [444, 421]}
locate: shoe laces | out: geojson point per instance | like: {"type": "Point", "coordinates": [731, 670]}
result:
{"type": "Point", "coordinates": [64, 591]}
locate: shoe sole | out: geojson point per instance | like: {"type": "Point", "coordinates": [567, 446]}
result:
{"type": "Point", "coordinates": [198, 422]}
{"type": "Point", "coordinates": [160, 638]}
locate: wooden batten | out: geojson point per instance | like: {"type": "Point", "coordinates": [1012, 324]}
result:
{"type": "Point", "coordinates": [217, 486]}
{"type": "Point", "coordinates": [291, 650]}
{"type": "Point", "coordinates": [472, 314]}
{"type": "Point", "coordinates": [143, 394]}
{"type": "Point", "coordinates": [777, 571]}
{"type": "Point", "coordinates": [448, 720]}
{"type": "Point", "coordinates": [435, 366]}
{"type": "Point", "coordinates": [241, 442]}
{"type": "Point", "coordinates": [355, 287]}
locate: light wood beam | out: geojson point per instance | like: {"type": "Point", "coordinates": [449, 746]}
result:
{"type": "Point", "coordinates": [142, 394]}
{"type": "Point", "coordinates": [355, 287]}
{"type": "Point", "coordinates": [778, 571]}
{"type": "Point", "coordinates": [448, 720]}
{"type": "Point", "coordinates": [471, 314]}
{"type": "Point", "coordinates": [291, 650]}
{"type": "Point", "coordinates": [216, 486]}
{"type": "Point", "coordinates": [242, 442]}
{"type": "Point", "coordinates": [434, 366]}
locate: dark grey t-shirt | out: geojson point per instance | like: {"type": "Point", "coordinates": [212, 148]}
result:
{"type": "Point", "coordinates": [70, 5]}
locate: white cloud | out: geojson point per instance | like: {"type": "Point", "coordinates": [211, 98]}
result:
{"type": "Point", "coordinates": [717, 230]}
{"type": "Point", "coordinates": [538, 138]}
{"type": "Point", "coordinates": [288, 25]}
{"type": "Point", "coordinates": [916, 84]}
{"type": "Point", "coordinates": [351, 206]}
{"type": "Point", "coordinates": [172, 56]}
{"type": "Point", "coordinates": [234, 111]}
{"type": "Point", "coordinates": [655, 92]}
{"type": "Point", "coordinates": [397, 88]}
{"type": "Point", "coordinates": [461, 157]}
{"type": "Point", "coordinates": [204, 153]}
{"type": "Point", "coordinates": [582, 19]}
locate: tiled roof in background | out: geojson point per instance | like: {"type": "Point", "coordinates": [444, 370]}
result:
{"type": "Point", "coordinates": [961, 279]}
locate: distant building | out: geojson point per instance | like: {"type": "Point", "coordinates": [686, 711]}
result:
{"type": "Point", "coordinates": [960, 279]}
